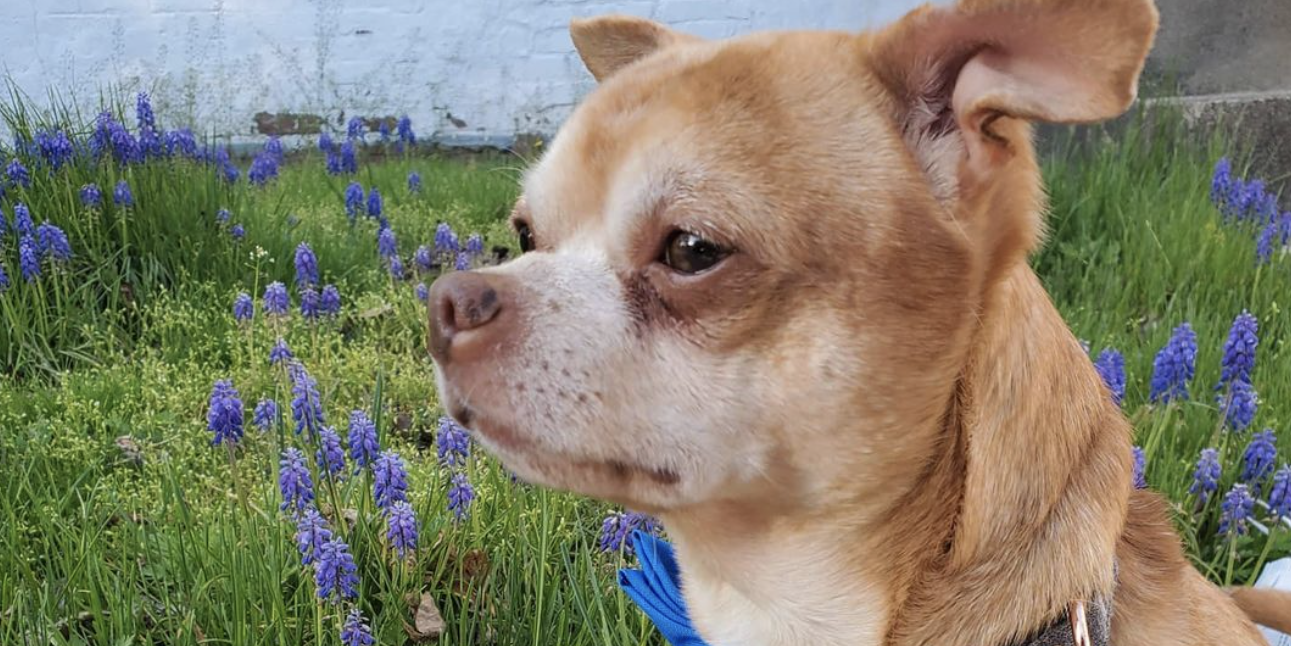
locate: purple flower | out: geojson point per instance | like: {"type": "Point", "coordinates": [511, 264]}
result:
{"type": "Point", "coordinates": [335, 571]}
{"type": "Point", "coordinates": [325, 143]}
{"type": "Point", "coordinates": [53, 242]}
{"type": "Point", "coordinates": [453, 444]}
{"type": "Point", "coordinates": [355, 129]}
{"type": "Point", "coordinates": [386, 245]}
{"type": "Point", "coordinates": [463, 261]}
{"type": "Point", "coordinates": [404, 130]}
{"type": "Point", "coordinates": [55, 148]}
{"type": "Point", "coordinates": [362, 439]}
{"type": "Point", "coordinates": [1259, 459]}
{"type": "Point", "coordinates": [310, 304]}
{"type": "Point", "coordinates": [349, 159]}
{"type": "Point", "coordinates": [4, 280]}
{"type": "Point", "coordinates": [1280, 494]}
{"type": "Point", "coordinates": [1239, 350]}
{"type": "Point", "coordinates": [355, 632]}
{"type": "Point", "coordinates": [1264, 243]}
{"type": "Point", "coordinates": [374, 203]}
{"type": "Point", "coordinates": [143, 111]}
{"type": "Point", "coordinates": [475, 245]}
{"type": "Point", "coordinates": [422, 259]}
{"type": "Point", "coordinates": [231, 172]}
{"type": "Point", "coordinates": [460, 495]}
{"type": "Point", "coordinates": [263, 168]}
{"type": "Point", "coordinates": [28, 260]}
{"type": "Point", "coordinates": [243, 307]}
{"type": "Point", "coordinates": [294, 483]}
{"type": "Point", "coordinates": [223, 216]}
{"type": "Point", "coordinates": [330, 457]}
{"type": "Point", "coordinates": [23, 225]}
{"type": "Point", "coordinates": [306, 266]}
{"type": "Point", "coordinates": [1205, 479]}
{"type": "Point", "coordinates": [1237, 508]}
{"type": "Point", "coordinates": [266, 413]}
{"type": "Point", "coordinates": [445, 240]}
{"type": "Point", "coordinates": [275, 299]}
{"type": "Point", "coordinates": [618, 526]}
{"type": "Point", "coordinates": [273, 147]}
{"type": "Point", "coordinates": [18, 175]}
{"type": "Point", "coordinates": [280, 353]}
{"type": "Point", "coordinates": [423, 294]}
{"type": "Point", "coordinates": [1140, 465]}
{"type": "Point", "coordinates": [122, 195]}
{"type": "Point", "coordinates": [1111, 367]}
{"type": "Point", "coordinates": [224, 416]}
{"type": "Point", "coordinates": [237, 232]}
{"type": "Point", "coordinates": [91, 196]}
{"type": "Point", "coordinates": [182, 142]}
{"type": "Point", "coordinates": [333, 163]}
{"type": "Point", "coordinates": [354, 200]}
{"type": "Point", "coordinates": [306, 405]}
{"type": "Point", "coordinates": [1238, 405]}
{"type": "Point", "coordinates": [414, 182]}
{"type": "Point", "coordinates": [396, 268]}
{"type": "Point", "coordinates": [1174, 366]}
{"type": "Point", "coordinates": [311, 534]}
{"type": "Point", "coordinates": [330, 301]}
{"type": "Point", "coordinates": [389, 480]}
{"type": "Point", "coordinates": [401, 530]}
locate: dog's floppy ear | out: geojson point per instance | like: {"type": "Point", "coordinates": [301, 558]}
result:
{"type": "Point", "coordinates": [966, 66]}
{"type": "Point", "coordinates": [609, 43]}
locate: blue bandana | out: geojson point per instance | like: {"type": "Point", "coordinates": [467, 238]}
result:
{"type": "Point", "coordinates": [654, 588]}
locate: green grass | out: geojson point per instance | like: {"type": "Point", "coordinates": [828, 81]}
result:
{"type": "Point", "coordinates": [188, 546]}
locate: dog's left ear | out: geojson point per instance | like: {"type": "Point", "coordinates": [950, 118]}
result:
{"type": "Point", "coordinates": [610, 43]}
{"type": "Point", "coordinates": [969, 65]}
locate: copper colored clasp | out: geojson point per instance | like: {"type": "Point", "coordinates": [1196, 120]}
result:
{"type": "Point", "coordinates": [1079, 624]}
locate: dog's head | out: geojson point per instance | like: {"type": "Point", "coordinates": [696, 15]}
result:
{"type": "Point", "coordinates": [752, 267]}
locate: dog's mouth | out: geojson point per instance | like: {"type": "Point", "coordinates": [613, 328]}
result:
{"type": "Point", "coordinates": [605, 478]}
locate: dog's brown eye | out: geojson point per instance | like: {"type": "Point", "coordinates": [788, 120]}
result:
{"type": "Point", "coordinates": [526, 237]}
{"type": "Point", "coordinates": [688, 253]}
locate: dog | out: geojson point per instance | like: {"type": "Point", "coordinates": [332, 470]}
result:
{"type": "Point", "coordinates": [774, 290]}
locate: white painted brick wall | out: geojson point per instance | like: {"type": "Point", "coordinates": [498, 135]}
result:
{"type": "Point", "coordinates": [502, 67]}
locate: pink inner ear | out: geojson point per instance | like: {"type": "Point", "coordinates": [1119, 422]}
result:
{"type": "Point", "coordinates": [1026, 84]}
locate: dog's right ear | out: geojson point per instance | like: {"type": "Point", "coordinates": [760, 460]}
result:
{"type": "Point", "coordinates": [610, 43]}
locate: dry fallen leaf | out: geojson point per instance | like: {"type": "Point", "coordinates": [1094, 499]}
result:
{"type": "Point", "coordinates": [427, 622]}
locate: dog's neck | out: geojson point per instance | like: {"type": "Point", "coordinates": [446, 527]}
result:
{"type": "Point", "coordinates": [1017, 514]}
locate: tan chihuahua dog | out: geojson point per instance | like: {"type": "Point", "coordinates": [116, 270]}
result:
{"type": "Point", "coordinates": [775, 290]}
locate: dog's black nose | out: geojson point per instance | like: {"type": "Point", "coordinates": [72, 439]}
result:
{"type": "Point", "coordinates": [468, 313]}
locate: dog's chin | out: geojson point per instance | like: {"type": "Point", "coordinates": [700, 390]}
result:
{"type": "Point", "coordinates": [638, 486]}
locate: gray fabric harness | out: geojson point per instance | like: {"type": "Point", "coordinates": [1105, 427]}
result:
{"type": "Point", "coordinates": [1083, 624]}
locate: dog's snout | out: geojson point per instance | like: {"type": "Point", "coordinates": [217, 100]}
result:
{"type": "Point", "coordinates": [469, 312]}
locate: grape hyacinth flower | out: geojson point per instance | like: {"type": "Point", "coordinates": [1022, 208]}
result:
{"type": "Point", "coordinates": [403, 128]}
{"type": "Point", "coordinates": [53, 242]}
{"type": "Point", "coordinates": [1264, 243]}
{"type": "Point", "coordinates": [280, 353]}
{"type": "Point", "coordinates": [362, 440]}
{"type": "Point", "coordinates": [1260, 457]}
{"type": "Point", "coordinates": [263, 168]}
{"type": "Point", "coordinates": [143, 111]}
{"type": "Point", "coordinates": [231, 172]}
{"type": "Point", "coordinates": [310, 305]}
{"type": "Point", "coordinates": [414, 182]}
{"type": "Point", "coordinates": [1111, 367]}
{"type": "Point", "coordinates": [389, 480]}
{"type": "Point", "coordinates": [333, 163]}
{"type": "Point", "coordinates": [4, 280]}
{"type": "Point", "coordinates": [1205, 479]}
{"type": "Point", "coordinates": [355, 129]}
{"type": "Point", "coordinates": [1239, 350]}
{"type": "Point", "coordinates": [460, 495]}
{"type": "Point", "coordinates": [1239, 405]}
{"type": "Point", "coordinates": [1280, 493]}
{"type": "Point", "coordinates": [401, 525]}
{"type": "Point", "coordinates": [243, 307]}
{"type": "Point", "coordinates": [223, 216]}
{"type": "Point", "coordinates": [224, 415]}
{"type": "Point", "coordinates": [306, 266]}
{"type": "Point", "coordinates": [618, 526]}
{"type": "Point", "coordinates": [91, 196]}
{"type": "Point", "coordinates": [396, 268]}
{"type": "Point", "coordinates": [55, 148]}
{"type": "Point", "coordinates": [325, 142]}
{"type": "Point", "coordinates": [273, 148]}
{"type": "Point", "coordinates": [445, 240]}
{"type": "Point", "coordinates": [17, 173]}
{"type": "Point", "coordinates": [122, 196]}
{"type": "Point", "coordinates": [1174, 366]}
{"type": "Point", "coordinates": [23, 225]}
{"type": "Point", "coordinates": [374, 203]}
{"type": "Point", "coordinates": [463, 261]}
{"type": "Point", "coordinates": [422, 259]}
{"type": "Point", "coordinates": [311, 534]}
{"type": "Point", "coordinates": [383, 129]}
{"type": "Point", "coordinates": [330, 457]}
{"type": "Point", "coordinates": [355, 631]}
{"type": "Point", "coordinates": [265, 414]}
{"type": "Point", "coordinates": [330, 301]}
{"type": "Point", "coordinates": [1140, 466]}
{"type": "Point", "coordinates": [475, 245]}
{"type": "Point", "coordinates": [276, 301]}
{"type": "Point", "coordinates": [386, 244]}
{"type": "Point", "coordinates": [335, 571]}
{"type": "Point", "coordinates": [423, 294]}
{"type": "Point", "coordinates": [182, 142]}
{"type": "Point", "coordinates": [28, 260]}
{"type": "Point", "coordinates": [453, 444]}
{"type": "Point", "coordinates": [294, 483]}
{"type": "Point", "coordinates": [354, 200]}
{"type": "Point", "coordinates": [1236, 510]}
{"type": "Point", "coordinates": [349, 158]}
{"type": "Point", "coordinates": [306, 405]}
{"type": "Point", "coordinates": [237, 232]}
